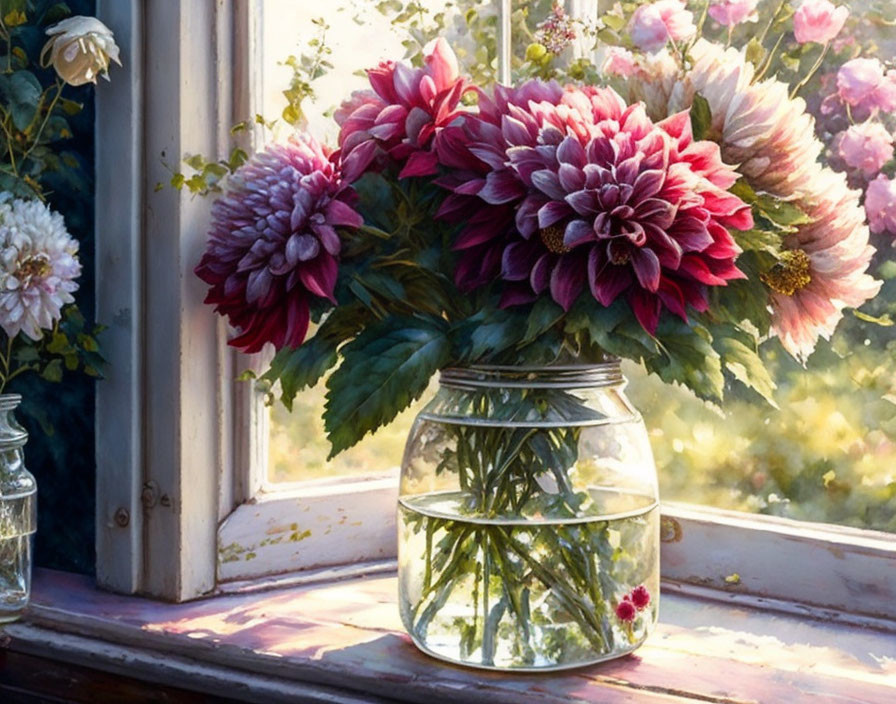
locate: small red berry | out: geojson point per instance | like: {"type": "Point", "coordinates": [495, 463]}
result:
{"type": "Point", "coordinates": [640, 597]}
{"type": "Point", "coordinates": [626, 611]}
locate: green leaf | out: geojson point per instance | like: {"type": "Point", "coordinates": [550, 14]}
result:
{"type": "Point", "coordinates": [745, 365]}
{"type": "Point", "coordinates": [782, 213]}
{"type": "Point", "coordinates": [543, 316]}
{"type": "Point", "coordinates": [701, 117]}
{"type": "Point", "coordinates": [614, 329]}
{"type": "Point", "coordinates": [302, 367]}
{"type": "Point", "coordinates": [53, 371]}
{"type": "Point", "coordinates": [755, 52]}
{"type": "Point", "coordinates": [488, 333]}
{"type": "Point", "coordinates": [688, 358]}
{"type": "Point", "coordinates": [759, 241]}
{"type": "Point", "coordinates": [21, 91]}
{"type": "Point", "coordinates": [383, 370]}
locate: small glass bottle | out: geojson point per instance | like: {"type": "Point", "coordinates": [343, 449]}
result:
{"type": "Point", "coordinates": [18, 513]}
{"type": "Point", "coordinates": [529, 519]}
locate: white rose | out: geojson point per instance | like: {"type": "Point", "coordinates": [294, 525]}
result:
{"type": "Point", "coordinates": [80, 49]}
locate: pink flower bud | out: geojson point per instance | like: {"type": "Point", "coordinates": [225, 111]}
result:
{"type": "Point", "coordinates": [818, 21]}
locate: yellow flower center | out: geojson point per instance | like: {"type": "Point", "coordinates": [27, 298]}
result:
{"type": "Point", "coordinates": [553, 239]}
{"type": "Point", "coordinates": [35, 266]}
{"type": "Point", "coordinates": [790, 274]}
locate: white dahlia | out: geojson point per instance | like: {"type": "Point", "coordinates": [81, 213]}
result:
{"type": "Point", "coordinates": [771, 141]}
{"type": "Point", "coordinates": [38, 267]}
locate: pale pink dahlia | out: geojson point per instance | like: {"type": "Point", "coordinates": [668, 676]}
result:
{"type": "Point", "coordinates": [823, 269]}
{"type": "Point", "coordinates": [630, 209]}
{"type": "Point", "coordinates": [618, 62]}
{"type": "Point", "coordinates": [406, 110]}
{"type": "Point", "coordinates": [38, 267]}
{"type": "Point", "coordinates": [273, 244]}
{"type": "Point", "coordinates": [772, 138]}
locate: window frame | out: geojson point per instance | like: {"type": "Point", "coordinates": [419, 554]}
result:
{"type": "Point", "coordinates": [182, 446]}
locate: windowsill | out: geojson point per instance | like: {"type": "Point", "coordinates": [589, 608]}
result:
{"type": "Point", "coordinates": [342, 642]}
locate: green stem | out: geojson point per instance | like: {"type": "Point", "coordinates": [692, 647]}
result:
{"type": "Point", "coordinates": [799, 86]}
{"type": "Point", "coordinates": [771, 21]}
{"type": "Point", "coordinates": [767, 63]}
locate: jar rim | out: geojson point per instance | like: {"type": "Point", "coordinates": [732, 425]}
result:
{"type": "Point", "coordinates": [565, 376]}
{"type": "Point", "coordinates": [9, 402]}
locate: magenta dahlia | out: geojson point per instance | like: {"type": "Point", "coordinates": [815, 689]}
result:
{"type": "Point", "coordinates": [638, 210]}
{"type": "Point", "coordinates": [273, 243]}
{"type": "Point", "coordinates": [406, 110]}
{"type": "Point", "coordinates": [603, 198]}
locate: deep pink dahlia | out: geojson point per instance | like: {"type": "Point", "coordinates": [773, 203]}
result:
{"type": "Point", "coordinates": [485, 190]}
{"type": "Point", "coordinates": [273, 243]}
{"type": "Point", "coordinates": [635, 209]}
{"type": "Point", "coordinates": [407, 109]}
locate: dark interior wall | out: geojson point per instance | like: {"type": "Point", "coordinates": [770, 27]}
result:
{"type": "Point", "coordinates": [60, 417]}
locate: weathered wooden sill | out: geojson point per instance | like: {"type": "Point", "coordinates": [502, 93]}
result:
{"type": "Point", "coordinates": [341, 643]}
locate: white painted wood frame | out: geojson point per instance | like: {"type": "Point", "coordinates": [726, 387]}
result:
{"type": "Point", "coordinates": [165, 446]}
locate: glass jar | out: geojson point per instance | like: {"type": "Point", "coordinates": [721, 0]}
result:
{"type": "Point", "coordinates": [528, 519]}
{"type": "Point", "coordinates": [18, 513]}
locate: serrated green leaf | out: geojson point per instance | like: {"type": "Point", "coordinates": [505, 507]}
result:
{"type": "Point", "coordinates": [688, 358]}
{"type": "Point", "coordinates": [613, 329]}
{"type": "Point", "coordinates": [487, 333]}
{"type": "Point", "coordinates": [383, 370]}
{"type": "Point", "coordinates": [543, 316]}
{"type": "Point", "coordinates": [759, 241]}
{"type": "Point", "coordinates": [301, 368]}
{"type": "Point", "coordinates": [701, 117]}
{"type": "Point", "coordinates": [745, 365]}
{"type": "Point", "coordinates": [782, 213]}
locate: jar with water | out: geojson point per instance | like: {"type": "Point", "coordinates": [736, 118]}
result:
{"type": "Point", "coordinates": [528, 519]}
{"type": "Point", "coordinates": [18, 513]}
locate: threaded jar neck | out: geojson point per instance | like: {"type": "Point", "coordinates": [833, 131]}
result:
{"type": "Point", "coordinates": [572, 376]}
{"type": "Point", "coordinates": [9, 402]}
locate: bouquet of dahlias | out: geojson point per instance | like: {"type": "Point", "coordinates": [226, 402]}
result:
{"type": "Point", "coordinates": [679, 226]}
{"type": "Point", "coordinates": [674, 213]}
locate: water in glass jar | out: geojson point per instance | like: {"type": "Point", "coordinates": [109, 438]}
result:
{"type": "Point", "coordinates": [524, 593]}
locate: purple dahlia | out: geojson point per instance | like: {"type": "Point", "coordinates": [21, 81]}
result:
{"type": "Point", "coordinates": [273, 243]}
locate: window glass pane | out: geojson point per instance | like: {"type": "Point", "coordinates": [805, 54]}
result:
{"type": "Point", "coordinates": [826, 453]}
